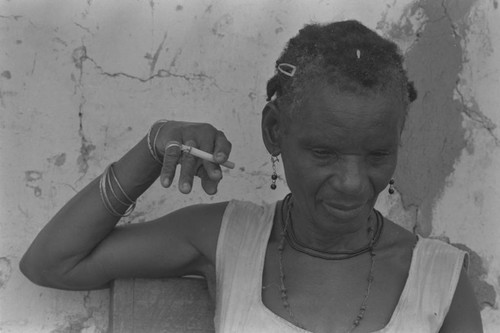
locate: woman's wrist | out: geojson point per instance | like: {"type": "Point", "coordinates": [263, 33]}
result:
{"type": "Point", "coordinates": [137, 170]}
{"type": "Point", "coordinates": [115, 199]}
{"type": "Point", "coordinates": [152, 138]}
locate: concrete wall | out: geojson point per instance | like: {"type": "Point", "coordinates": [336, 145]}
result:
{"type": "Point", "coordinates": [82, 81]}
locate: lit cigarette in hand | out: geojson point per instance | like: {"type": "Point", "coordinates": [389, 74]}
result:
{"type": "Point", "coordinates": [205, 156]}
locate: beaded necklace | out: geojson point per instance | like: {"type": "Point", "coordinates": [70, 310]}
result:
{"type": "Point", "coordinates": [324, 255]}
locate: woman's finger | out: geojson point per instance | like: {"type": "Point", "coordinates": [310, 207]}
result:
{"type": "Point", "coordinates": [171, 158]}
{"type": "Point", "coordinates": [213, 170]}
{"type": "Point", "coordinates": [222, 147]}
{"type": "Point", "coordinates": [208, 185]}
{"type": "Point", "coordinates": [189, 165]}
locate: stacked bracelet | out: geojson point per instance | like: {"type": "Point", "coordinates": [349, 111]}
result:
{"type": "Point", "coordinates": [109, 184]}
{"type": "Point", "coordinates": [106, 189]}
{"type": "Point", "coordinates": [152, 143]}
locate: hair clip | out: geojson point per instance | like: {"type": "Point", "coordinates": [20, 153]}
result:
{"type": "Point", "coordinates": [287, 69]}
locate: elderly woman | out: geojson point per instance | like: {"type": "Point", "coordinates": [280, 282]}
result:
{"type": "Point", "coordinates": [322, 259]}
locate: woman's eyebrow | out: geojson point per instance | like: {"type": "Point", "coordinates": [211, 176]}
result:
{"type": "Point", "coordinates": [319, 141]}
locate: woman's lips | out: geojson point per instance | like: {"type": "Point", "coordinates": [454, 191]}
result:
{"type": "Point", "coordinates": [344, 211]}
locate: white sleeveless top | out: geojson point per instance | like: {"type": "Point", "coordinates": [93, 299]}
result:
{"type": "Point", "coordinates": [241, 248]}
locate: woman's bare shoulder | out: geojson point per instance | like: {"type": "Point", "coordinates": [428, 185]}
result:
{"type": "Point", "coordinates": [396, 241]}
{"type": "Point", "coordinates": [395, 232]}
{"type": "Point", "coordinates": [199, 224]}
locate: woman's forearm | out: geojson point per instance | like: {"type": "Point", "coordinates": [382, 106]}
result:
{"type": "Point", "coordinates": [84, 221]}
{"type": "Point", "coordinates": [75, 249]}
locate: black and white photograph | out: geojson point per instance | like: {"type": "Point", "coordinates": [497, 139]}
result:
{"type": "Point", "coordinates": [249, 166]}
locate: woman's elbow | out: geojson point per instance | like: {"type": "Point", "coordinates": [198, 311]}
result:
{"type": "Point", "coordinates": [57, 277]}
{"type": "Point", "coordinates": [38, 272]}
{"type": "Point", "coordinates": [32, 271]}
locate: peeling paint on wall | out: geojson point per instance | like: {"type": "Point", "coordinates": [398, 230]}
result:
{"type": "Point", "coordinates": [433, 138]}
{"type": "Point", "coordinates": [222, 25]}
{"type": "Point", "coordinates": [5, 271]}
{"type": "Point", "coordinates": [86, 150]}
{"type": "Point", "coordinates": [485, 292]}
{"type": "Point", "coordinates": [58, 160]}
{"type": "Point", "coordinates": [6, 74]}
{"type": "Point", "coordinates": [32, 179]}
{"type": "Point", "coordinates": [477, 272]}
{"type": "Point", "coordinates": [79, 55]}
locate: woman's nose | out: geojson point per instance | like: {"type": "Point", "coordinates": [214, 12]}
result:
{"type": "Point", "coordinates": [350, 177]}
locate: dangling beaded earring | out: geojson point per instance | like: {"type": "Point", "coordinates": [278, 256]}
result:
{"type": "Point", "coordinates": [391, 186]}
{"type": "Point", "coordinates": [274, 176]}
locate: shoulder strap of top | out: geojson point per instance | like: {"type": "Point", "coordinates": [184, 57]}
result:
{"type": "Point", "coordinates": [429, 290]}
{"type": "Point", "coordinates": [241, 247]}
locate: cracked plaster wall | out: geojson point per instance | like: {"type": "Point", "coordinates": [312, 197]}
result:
{"type": "Point", "coordinates": [81, 82]}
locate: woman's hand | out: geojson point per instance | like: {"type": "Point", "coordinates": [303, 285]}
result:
{"type": "Point", "coordinates": [199, 135]}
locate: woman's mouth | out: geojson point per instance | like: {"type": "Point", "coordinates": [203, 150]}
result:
{"type": "Point", "coordinates": [343, 211]}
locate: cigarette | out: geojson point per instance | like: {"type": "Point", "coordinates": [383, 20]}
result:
{"type": "Point", "coordinates": [205, 156]}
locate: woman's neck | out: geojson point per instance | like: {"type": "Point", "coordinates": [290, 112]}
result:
{"type": "Point", "coordinates": [334, 237]}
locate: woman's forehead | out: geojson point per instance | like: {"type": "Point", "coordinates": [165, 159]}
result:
{"type": "Point", "coordinates": [327, 106]}
{"type": "Point", "coordinates": [350, 117]}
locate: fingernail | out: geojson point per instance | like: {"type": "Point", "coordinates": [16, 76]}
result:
{"type": "Point", "coordinates": [166, 182]}
{"type": "Point", "coordinates": [220, 156]}
{"type": "Point", "coordinates": [186, 187]}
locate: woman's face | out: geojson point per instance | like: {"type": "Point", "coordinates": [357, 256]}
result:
{"type": "Point", "coordinates": [339, 152]}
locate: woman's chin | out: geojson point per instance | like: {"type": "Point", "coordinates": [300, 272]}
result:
{"type": "Point", "coordinates": [345, 213]}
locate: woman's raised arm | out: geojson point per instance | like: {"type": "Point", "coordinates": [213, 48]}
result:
{"type": "Point", "coordinates": [80, 247]}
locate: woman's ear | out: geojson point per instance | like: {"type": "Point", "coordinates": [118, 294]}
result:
{"type": "Point", "coordinates": [271, 128]}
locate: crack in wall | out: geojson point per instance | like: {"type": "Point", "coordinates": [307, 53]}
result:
{"type": "Point", "coordinates": [86, 147]}
{"type": "Point", "coordinates": [450, 21]}
{"type": "Point", "coordinates": [418, 33]}
{"type": "Point", "coordinates": [11, 17]}
{"type": "Point", "coordinates": [152, 6]}
{"type": "Point", "coordinates": [80, 56]}
{"type": "Point", "coordinates": [33, 66]}
{"type": "Point", "coordinates": [156, 55]}
{"type": "Point", "coordinates": [175, 57]}
{"type": "Point", "coordinates": [472, 113]}
{"type": "Point", "coordinates": [161, 73]}
{"type": "Point", "coordinates": [83, 28]}
{"type": "Point", "coordinates": [475, 115]}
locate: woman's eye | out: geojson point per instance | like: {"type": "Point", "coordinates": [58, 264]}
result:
{"type": "Point", "coordinates": [322, 153]}
{"type": "Point", "coordinates": [380, 155]}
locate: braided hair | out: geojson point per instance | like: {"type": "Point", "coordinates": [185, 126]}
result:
{"type": "Point", "coordinates": [346, 54]}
